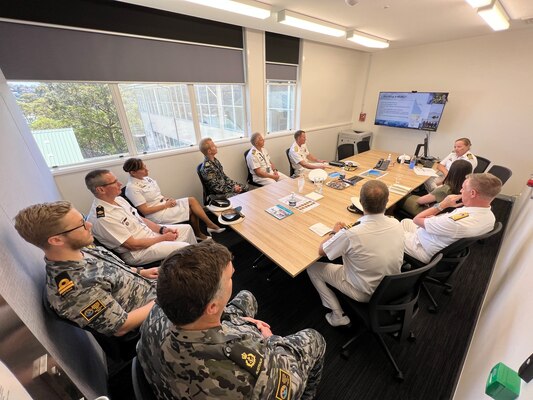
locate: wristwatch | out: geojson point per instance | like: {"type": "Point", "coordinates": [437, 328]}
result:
{"type": "Point", "coordinates": [437, 206]}
{"type": "Point", "coordinates": [139, 269]}
{"type": "Point", "coordinates": [161, 228]}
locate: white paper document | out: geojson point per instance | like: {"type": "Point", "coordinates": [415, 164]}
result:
{"type": "Point", "coordinates": [320, 229]}
{"type": "Point", "coordinates": [424, 171]}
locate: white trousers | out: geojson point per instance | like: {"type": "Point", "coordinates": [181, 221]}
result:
{"type": "Point", "coordinates": [412, 245]}
{"type": "Point", "coordinates": [268, 181]}
{"type": "Point", "coordinates": [321, 273]}
{"type": "Point", "coordinates": [160, 250]}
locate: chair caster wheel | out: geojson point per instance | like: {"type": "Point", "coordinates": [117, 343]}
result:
{"type": "Point", "coordinates": [433, 310]}
{"type": "Point", "coordinates": [412, 337]}
{"type": "Point", "coordinates": [400, 377]}
{"type": "Point", "coordinates": [345, 354]}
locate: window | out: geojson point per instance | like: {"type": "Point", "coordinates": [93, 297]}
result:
{"type": "Point", "coordinates": [281, 100]}
{"type": "Point", "coordinates": [76, 123]}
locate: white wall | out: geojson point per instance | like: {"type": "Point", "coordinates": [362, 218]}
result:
{"type": "Point", "coordinates": [330, 77]}
{"type": "Point", "coordinates": [490, 84]}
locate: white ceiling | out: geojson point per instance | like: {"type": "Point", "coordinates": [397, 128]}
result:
{"type": "Point", "coordinates": [404, 22]}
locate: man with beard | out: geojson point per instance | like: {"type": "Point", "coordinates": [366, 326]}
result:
{"type": "Point", "coordinates": [86, 284]}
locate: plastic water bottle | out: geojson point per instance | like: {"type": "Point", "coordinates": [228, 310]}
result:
{"type": "Point", "coordinates": [389, 157]}
{"type": "Point", "coordinates": [402, 159]}
{"type": "Point", "coordinates": [412, 162]}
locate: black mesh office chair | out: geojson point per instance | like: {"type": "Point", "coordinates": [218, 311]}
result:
{"type": "Point", "coordinates": [501, 172]}
{"type": "Point", "coordinates": [205, 188]}
{"type": "Point", "coordinates": [291, 169]}
{"type": "Point", "coordinates": [362, 146]}
{"type": "Point", "coordinates": [123, 195]}
{"type": "Point", "coordinates": [345, 150]}
{"type": "Point", "coordinates": [482, 164]}
{"type": "Point", "coordinates": [141, 386]}
{"type": "Point", "coordinates": [249, 177]}
{"type": "Point", "coordinates": [453, 258]}
{"type": "Point", "coordinates": [390, 310]}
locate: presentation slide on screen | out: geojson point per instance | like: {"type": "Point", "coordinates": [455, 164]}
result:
{"type": "Point", "coordinates": [410, 110]}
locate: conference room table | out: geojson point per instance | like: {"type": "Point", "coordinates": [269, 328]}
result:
{"type": "Point", "coordinates": [289, 242]}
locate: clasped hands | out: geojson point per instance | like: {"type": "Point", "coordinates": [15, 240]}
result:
{"type": "Point", "coordinates": [263, 327]}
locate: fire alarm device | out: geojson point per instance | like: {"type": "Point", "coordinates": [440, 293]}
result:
{"type": "Point", "coordinates": [362, 117]}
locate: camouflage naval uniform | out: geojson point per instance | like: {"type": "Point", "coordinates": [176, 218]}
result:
{"type": "Point", "coordinates": [97, 291]}
{"type": "Point", "coordinates": [217, 181]}
{"type": "Point", "coordinates": [232, 361]}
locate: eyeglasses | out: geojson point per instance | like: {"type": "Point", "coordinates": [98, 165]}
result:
{"type": "Point", "coordinates": [73, 229]}
{"type": "Point", "coordinates": [110, 183]}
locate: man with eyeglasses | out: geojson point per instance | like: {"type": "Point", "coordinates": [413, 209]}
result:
{"type": "Point", "coordinates": [119, 227]}
{"type": "Point", "coordinates": [85, 284]}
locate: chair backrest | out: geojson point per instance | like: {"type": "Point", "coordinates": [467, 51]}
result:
{"type": "Point", "coordinates": [249, 177]}
{"type": "Point", "coordinates": [123, 195]}
{"type": "Point", "coordinates": [141, 386]}
{"type": "Point", "coordinates": [205, 189]}
{"type": "Point", "coordinates": [291, 169]}
{"type": "Point", "coordinates": [362, 146]}
{"type": "Point", "coordinates": [501, 172]}
{"type": "Point", "coordinates": [345, 150]}
{"type": "Point", "coordinates": [482, 164]}
{"type": "Point", "coordinates": [395, 301]}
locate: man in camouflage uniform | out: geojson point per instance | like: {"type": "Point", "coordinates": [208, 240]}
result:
{"type": "Point", "coordinates": [194, 345]}
{"type": "Point", "coordinates": [213, 173]}
{"type": "Point", "coordinates": [87, 285]}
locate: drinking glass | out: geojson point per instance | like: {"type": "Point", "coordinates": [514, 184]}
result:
{"type": "Point", "coordinates": [301, 184]}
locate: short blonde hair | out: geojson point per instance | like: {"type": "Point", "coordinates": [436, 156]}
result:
{"type": "Point", "coordinates": [487, 185]}
{"type": "Point", "coordinates": [38, 222]}
{"type": "Point", "coordinates": [204, 145]}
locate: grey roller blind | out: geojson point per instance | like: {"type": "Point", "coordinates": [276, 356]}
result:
{"type": "Point", "coordinates": [30, 52]}
{"type": "Point", "coordinates": [281, 72]}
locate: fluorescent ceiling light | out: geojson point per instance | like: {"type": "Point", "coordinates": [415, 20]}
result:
{"type": "Point", "coordinates": [287, 17]}
{"type": "Point", "coordinates": [245, 7]}
{"type": "Point", "coordinates": [478, 3]}
{"type": "Point", "coordinates": [495, 16]}
{"type": "Point", "coordinates": [367, 40]}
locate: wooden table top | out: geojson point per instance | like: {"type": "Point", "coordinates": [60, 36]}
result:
{"type": "Point", "coordinates": [289, 242]}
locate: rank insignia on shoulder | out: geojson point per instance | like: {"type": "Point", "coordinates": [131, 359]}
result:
{"type": "Point", "coordinates": [254, 151]}
{"type": "Point", "coordinates": [92, 310]}
{"type": "Point", "coordinates": [206, 164]}
{"type": "Point", "coordinates": [470, 156]}
{"type": "Point", "coordinates": [100, 212]}
{"type": "Point", "coordinates": [64, 284]}
{"type": "Point", "coordinates": [283, 390]}
{"type": "Point", "coordinates": [246, 358]}
{"type": "Point", "coordinates": [296, 149]}
{"type": "Point", "coordinates": [458, 216]}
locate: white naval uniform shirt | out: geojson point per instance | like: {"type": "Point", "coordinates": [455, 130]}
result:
{"type": "Point", "coordinates": [118, 224]}
{"type": "Point", "coordinates": [450, 158]}
{"type": "Point", "coordinates": [298, 154]}
{"type": "Point", "coordinates": [442, 230]}
{"type": "Point", "coordinates": [369, 250]}
{"type": "Point", "coordinates": [258, 159]}
{"type": "Point", "coordinates": [146, 190]}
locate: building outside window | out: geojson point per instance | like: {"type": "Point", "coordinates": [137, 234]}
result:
{"type": "Point", "coordinates": [281, 101]}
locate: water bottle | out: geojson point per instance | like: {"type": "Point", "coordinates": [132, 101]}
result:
{"type": "Point", "coordinates": [402, 159]}
{"type": "Point", "coordinates": [412, 162]}
{"type": "Point", "coordinates": [389, 157]}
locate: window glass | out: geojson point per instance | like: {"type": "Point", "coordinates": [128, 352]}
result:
{"type": "Point", "coordinates": [71, 122]}
{"type": "Point", "coordinates": [281, 100]}
{"type": "Point", "coordinates": [159, 116]}
{"type": "Point", "coordinates": [220, 111]}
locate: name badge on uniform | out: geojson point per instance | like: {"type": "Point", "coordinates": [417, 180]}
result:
{"type": "Point", "coordinates": [64, 284]}
{"type": "Point", "coordinates": [246, 358]}
{"type": "Point", "coordinates": [458, 216]}
{"type": "Point", "coordinates": [100, 212]}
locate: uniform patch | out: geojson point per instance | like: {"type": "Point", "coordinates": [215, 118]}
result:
{"type": "Point", "coordinates": [246, 358]}
{"type": "Point", "coordinates": [283, 391]}
{"type": "Point", "coordinates": [458, 216]}
{"type": "Point", "coordinates": [64, 284]}
{"type": "Point", "coordinates": [92, 310]}
{"type": "Point", "coordinates": [206, 164]}
{"type": "Point", "coordinates": [470, 156]}
{"type": "Point", "coordinates": [253, 152]}
{"type": "Point", "coordinates": [100, 212]}
{"type": "Point", "coordinates": [296, 149]}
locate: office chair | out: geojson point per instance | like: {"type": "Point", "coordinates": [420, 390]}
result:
{"type": "Point", "coordinates": [501, 172]}
{"type": "Point", "coordinates": [291, 169]}
{"type": "Point", "coordinates": [141, 386]}
{"type": "Point", "coordinates": [249, 177]}
{"type": "Point", "coordinates": [119, 350]}
{"type": "Point", "coordinates": [453, 258]}
{"type": "Point", "coordinates": [205, 188]}
{"type": "Point", "coordinates": [345, 150]}
{"type": "Point", "coordinates": [482, 164]}
{"type": "Point", "coordinates": [152, 264]}
{"type": "Point", "coordinates": [123, 195]}
{"type": "Point", "coordinates": [390, 310]}
{"type": "Point", "coordinates": [362, 146]}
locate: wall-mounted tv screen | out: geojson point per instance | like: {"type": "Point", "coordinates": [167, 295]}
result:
{"type": "Point", "coordinates": [412, 110]}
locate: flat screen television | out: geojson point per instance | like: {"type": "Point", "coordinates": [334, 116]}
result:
{"type": "Point", "coordinates": [412, 110]}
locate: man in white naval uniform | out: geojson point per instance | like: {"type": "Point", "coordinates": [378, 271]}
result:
{"type": "Point", "coordinates": [117, 225]}
{"type": "Point", "coordinates": [258, 160]}
{"type": "Point", "coordinates": [300, 157]}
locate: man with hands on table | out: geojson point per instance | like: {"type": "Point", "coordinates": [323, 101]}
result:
{"type": "Point", "coordinates": [428, 233]}
{"type": "Point", "coordinates": [370, 249]}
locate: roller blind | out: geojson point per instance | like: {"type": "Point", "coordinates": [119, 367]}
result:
{"type": "Point", "coordinates": [282, 57]}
